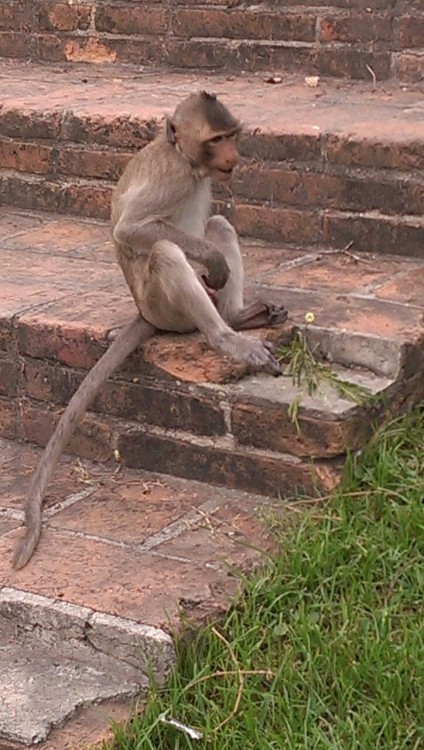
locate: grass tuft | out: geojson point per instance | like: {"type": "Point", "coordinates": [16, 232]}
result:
{"type": "Point", "coordinates": [325, 650]}
{"type": "Point", "coordinates": [308, 374]}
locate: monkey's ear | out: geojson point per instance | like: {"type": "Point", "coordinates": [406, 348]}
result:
{"type": "Point", "coordinates": [171, 133]}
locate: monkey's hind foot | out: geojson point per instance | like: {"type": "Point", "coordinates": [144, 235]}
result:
{"type": "Point", "coordinates": [259, 314]}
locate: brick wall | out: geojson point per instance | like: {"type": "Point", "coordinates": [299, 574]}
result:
{"type": "Point", "coordinates": [340, 39]}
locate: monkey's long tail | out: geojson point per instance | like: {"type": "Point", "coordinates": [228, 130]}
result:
{"type": "Point", "coordinates": [125, 342]}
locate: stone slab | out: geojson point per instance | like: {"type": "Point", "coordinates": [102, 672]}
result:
{"type": "Point", "coordinates": [34, 676]}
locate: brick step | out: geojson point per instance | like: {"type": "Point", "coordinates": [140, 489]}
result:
{"type": "Point", "coordinates": [325, 38]}
{"type": "Point", "coordinates": [326, 166]}
{"type": "Point", "coordinates": [176, 406]}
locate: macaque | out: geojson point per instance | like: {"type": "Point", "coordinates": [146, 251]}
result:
{"type": "Point", "coordinates": [184, 269]}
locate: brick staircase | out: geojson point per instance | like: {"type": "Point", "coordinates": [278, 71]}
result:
{"type": "Point", "coordinates": [329, 203]}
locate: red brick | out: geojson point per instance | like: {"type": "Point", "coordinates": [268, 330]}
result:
{"type": "Point", "coordinates": [73, 330]}
{"type": "Point", "coordinates": [278, 224]}
{"type": "Point", "coordinates": [409, 31]}
{"type": "Point", "coordinates": [9, 374]}
{"type": "Point", "coordinates": [15, 44]}
{"type": "Point", "coordinates": [54, 16]}
{"type": "Point", "coordinates": [131, 20]}
{"type": "Point", "coordinates": [33, 193]}
{"type": "Point", "coordinates": [83, 162]}
{"type": "Point", "coordinates": [268, 426]}
{"type": "Point", "coordinates": [281, 147]}
{"type": "Point", "coordinates": [244, 24]}
{"type": "Point", "coordinates": [359, 4]}
{"type": "Point", "coordinates": [406, 6]}
{"type": "Point", "coordinates": [165, 407]}
{"type": "Point", "coordinates": [370, 152]}
{"type": "Point", "coordinates": [262, 184]}
{"type": "Point", "coordinates": [355, 27]}
{"type": "Point", "coordinates": [19, 122]}
{"type": "Point", "coordinates": [15, 15]}
{"type": "Point", "coordinates": [409, 66]}
{"type": "Point", "coordinates": [288, 58]}
{"type": "Point", "coordinates": [91, 200]}
{"type": "Point", "coordinates": [303, 188]}
{"type": "Point", "coordinates": [202, 54]}
{"type": "Point", "coordinates": [348, 62]}
{"type": "Point", "coordinates": [254, 472]}
{"type": "Point", "coordinates": [92, 438]}
{"type": "Point", "coordinates": [8, 420]}
{"type": "Point", "coordinates": [359, 193]}
{"type": "Point", "coordinates": [119, 130]}
{"type": "Point", "coordinates": [222, 55]}
{"type": "Point", "coordinates": [189, 357]}
{"type": "Point", "coordinates": [26, 157]}
{"type": "Point", "coordinates": [375, 234]}
{"type": "Point", "coordinates": [52, 48]}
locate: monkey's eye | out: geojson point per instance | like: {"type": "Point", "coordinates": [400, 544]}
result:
{"type": "Point", "coordinates": [216, 139]}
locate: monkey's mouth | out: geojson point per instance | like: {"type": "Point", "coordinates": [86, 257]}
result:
{"type": "Point", "coordinates": [224, 174]}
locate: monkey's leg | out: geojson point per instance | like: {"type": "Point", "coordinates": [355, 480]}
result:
{"type": "Point", "coordinates": [229, 300]}
{"type": "Point", "coordinates": [173, 299]}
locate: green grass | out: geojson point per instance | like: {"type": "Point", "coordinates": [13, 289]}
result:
{"type": "Point", "coordinates": [326, 648]}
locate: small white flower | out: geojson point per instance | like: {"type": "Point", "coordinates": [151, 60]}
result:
{"type": "Point", "coordinates": [309, 317]}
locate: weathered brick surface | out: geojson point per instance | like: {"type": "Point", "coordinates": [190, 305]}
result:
{"type": "Point", "coordinates": [8, 418]}
{"type": "Point", "coordinates": [169, 407]}
{"type": "Point", "coordinates": [268, 426]}
{"type": "Point", "coordinates": [16, 15]}
{"type": "Point", "coordinates": [409, 66]}
{"type": "Point", "coordinates": [15, 44]}
{"type": "Point", "coordinates": [358, 27]}
{"type": "Point", "coordinates": [409, 31]}
{"type": "Point", "coordinates": [337, 38]}
{"type": "Point", "coordinates": [92, 439]}
{"type": "Point", "coordinates": [57, 16]}
{"type": "Point", "coordinates": [248, 470]}
{"type": "Point", "coordinates": [26, 157]}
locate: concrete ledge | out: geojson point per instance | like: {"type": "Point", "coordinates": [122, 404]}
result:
{"type": "Point", "coordinates": [54, 648]}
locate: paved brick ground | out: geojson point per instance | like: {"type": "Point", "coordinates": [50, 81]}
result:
{"type": "Point", "coordinates": [139, 546]}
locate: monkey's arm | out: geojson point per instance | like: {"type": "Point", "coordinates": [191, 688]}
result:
{"type": "Point", "coordinates": [125, 342]}
{"type": "Point", "coordinates": [138, 235]}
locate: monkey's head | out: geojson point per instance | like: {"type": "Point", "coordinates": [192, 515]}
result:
{"type": "Point", "coordinates": [206, 133]}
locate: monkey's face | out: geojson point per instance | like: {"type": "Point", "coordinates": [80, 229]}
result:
{"type": "Point", "coordinates": [220, 155]}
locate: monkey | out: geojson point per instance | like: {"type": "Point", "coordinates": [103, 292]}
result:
{"type": "Point", "coordinates": [183, 269]}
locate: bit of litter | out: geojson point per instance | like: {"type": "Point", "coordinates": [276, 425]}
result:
{"type": "Point", "coordinates": [312, 81]}
{"type": "Point", "coordinates": [373, 76]}
{"type": "Point", "coordinates": [273, 79]}
{"type": "Point", "coordinates": [116, 455]}
{"type": "Point", "coordinates": [194, 734]}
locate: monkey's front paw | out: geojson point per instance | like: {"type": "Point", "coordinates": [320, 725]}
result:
{"type": "Point", "coordinates": [260, 357]}
{"type": "Point", "coordinates": [217, 269]}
